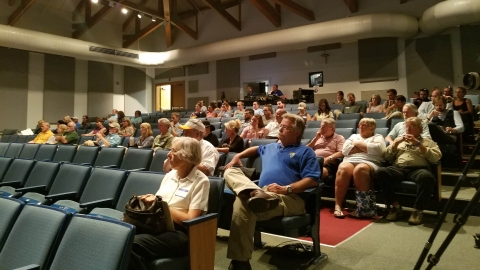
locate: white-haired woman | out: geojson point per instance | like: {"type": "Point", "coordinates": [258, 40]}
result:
{"type": "Point", "coordinates": [363, 154]}
{"type": "Point", "coordinates": [186, 189]}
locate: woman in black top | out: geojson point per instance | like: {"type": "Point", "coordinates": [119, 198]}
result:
{"type": "Point", "coordinates": [465, 109]}
{"type": "Point", "coordinates": [232, 142]}
{"type": "Point", "coordinates": [198, 112]}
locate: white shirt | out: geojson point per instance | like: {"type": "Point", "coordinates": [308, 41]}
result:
{"type": "Point", "coordinates": [273, 128]}
{"type": "Point", "coordinates": [258, 111]}
{"type": "Point", "coordinates": [210, 156]}
{"type": "Point", "coordinates": [399, 130]}
{"type": "Point", "coordinates": [427, 107]}
{"type": "Point", "coordinates": [456, 117]}
{"type": "Point", "coordinates": [187, 193]}
{"type": "Point", "coordinates": [375, 150]}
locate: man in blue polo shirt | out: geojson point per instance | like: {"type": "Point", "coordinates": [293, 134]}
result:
{"type": "Point", "coordinates": [277, 92]}
{"type": "Point", "coordinates": [288, 168]}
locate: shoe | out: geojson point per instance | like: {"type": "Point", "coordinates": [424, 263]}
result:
{"type": "Point", "coordinates": [338, 214]}
{"type": "Point", "coordinates": [356, 214]}
{"type": "Point", "coordinates": [239, 265]}
{"type": "Point", "coordinates": [416, 218]}
{"type": "Point", "coordinates": [260, 201]}
{"type": "Point", "coordinates": [395, 213]}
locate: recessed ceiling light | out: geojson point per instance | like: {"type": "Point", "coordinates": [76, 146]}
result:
{"type": "Point", "coordinates": [95, 1]}
{"type": "Point", "coordinates": [124, 10]}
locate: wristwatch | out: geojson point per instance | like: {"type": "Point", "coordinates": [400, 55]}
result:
{"type": "Point", "coordinates": [289, 189]}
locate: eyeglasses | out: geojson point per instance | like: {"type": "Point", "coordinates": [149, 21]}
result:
{"type": "Point", "coordinates": [286, 127]}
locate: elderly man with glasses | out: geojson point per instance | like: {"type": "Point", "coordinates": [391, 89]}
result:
{"type": "Point", "coordinates": [70, 136]}
{"type": "Point", "coordinates": [112, 139]}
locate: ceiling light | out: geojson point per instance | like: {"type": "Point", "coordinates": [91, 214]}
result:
{"type": "Point", "coordinates": [154, 19]}
{"type": "Point", "coordinates": [124, 10]}
{"type": "Point", "coordinates": [139, 15]}
{"type": "Point", "coordinates": [95, 1]}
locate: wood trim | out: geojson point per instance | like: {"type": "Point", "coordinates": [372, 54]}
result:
{"type": "Point", "coordinates": [17, 13]}
{"type": "Point", "coordinates": [297, 9]}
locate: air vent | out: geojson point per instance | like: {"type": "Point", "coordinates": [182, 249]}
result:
{"type": "Point", "coordinates": [113, 52]}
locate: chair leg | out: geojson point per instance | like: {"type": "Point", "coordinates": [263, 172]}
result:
{"type": "Point", "coordinates": [257, 240]}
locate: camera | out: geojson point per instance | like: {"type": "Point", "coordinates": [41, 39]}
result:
{"type": "Point", "coordinates": [471, 81]}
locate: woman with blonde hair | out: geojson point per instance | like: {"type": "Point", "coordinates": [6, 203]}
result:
{"type": "Point", "coordinates": [126, 130]}
{"type": "Point", "coordinates": [232, 142]}
{"type": "Point", "coordinates": [256, 130]}
{"type": "Point", "coordinates": [146, 136]}
{"type": "Point", "coordinates": [375, 105]}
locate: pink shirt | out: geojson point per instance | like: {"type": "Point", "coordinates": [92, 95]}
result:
{"type": "Point", "coordinates": [249, 133]}
{"type": "Point", "coordinates": [327, 147]}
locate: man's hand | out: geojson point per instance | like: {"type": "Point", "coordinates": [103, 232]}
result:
{"type": "Point", "coordinates": [276, 188]}
{"type": "Point", "coordinates": [410, 138]}
{"type": "Point", "coordinates": [450, 130]}
{"type": "Point", "coordinates": [235, 161]}
{"type": "Point", "coordinates": [397, 141]}
{"type": "Point", "coordinates": [433, 114]}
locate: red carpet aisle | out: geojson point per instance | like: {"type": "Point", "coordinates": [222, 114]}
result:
{"type": "Point", "coordinates": [334, 231]}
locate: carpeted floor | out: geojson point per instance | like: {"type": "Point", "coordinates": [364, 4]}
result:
{"type": "Point", "coordinates": [382, 245]}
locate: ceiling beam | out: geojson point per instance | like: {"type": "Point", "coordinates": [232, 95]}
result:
{"type": "Point", "coordinates": [189, 31]}
{"type": "Point", "coordinates": [78, 10]}
{"type": "Point", "coordinates": [218, 7]}
{"type": "Point", "coordinates": [168, 23]}
{"type": "Point", "coordinates": [352, 5]}
{"type": "Point", "coordinates": [91, 20]}
{"type": "Point", "coordinates": [17, 13]}
{"type": "Point", "coordinates": [130, 39]}
{"type": "Point", "coordinates": [131, 16]}
{"type": "Point", "coordinates": [297, 9]}
{"type": "Point", "coordinates": [191, 13]}
{"type": "Point", "coordinates": [269, 11]}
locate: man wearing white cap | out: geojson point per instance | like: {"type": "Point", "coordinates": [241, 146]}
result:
{"type": "Point", "coordinates": [194, 128]}
{"type": "Point", "coordinates": [112, 139]}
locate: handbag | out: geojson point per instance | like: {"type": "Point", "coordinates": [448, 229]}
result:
{"type": "Point", "coordinates": [147, 218]}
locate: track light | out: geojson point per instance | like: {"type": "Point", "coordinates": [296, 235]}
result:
{"type": "Point", "coordinates": [124, 10]}
{"type": "Point", "coordinates": [154, 19]}
{"type": "Point", "coordinates": [139, 15]}
{"type": "Point", "coordinates": [94, 1]}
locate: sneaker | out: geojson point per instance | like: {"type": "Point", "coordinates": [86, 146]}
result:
{"type": "Point", "coordinates": [239, 265]}
{"type": "Point", "coordinates": [395, 213]}
{"type": "Point", "coordinates": [416, 218]}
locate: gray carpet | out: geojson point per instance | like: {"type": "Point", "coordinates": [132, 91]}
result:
{"type": "Point", "coordinates": [384, 245]}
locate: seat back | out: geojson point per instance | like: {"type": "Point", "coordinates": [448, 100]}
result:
{"type": "Point", "coordinates": [314, 124]}
{"type": "Point", "coordinates": [350, 123]}
{"type": "Point", "coordinates": [65, 153]}
{"type": "Point", "coordinates": [158, 159]}
{"type": "Point", "coordinates": [18, 172]}
{"type": "Point", "coordinates": [382, 123]}
{"type": "Point", "coordinates": [375, 116]}
{"type": "Point", "coordinates": [13, 138]}
{"type": "Point", "coordinates": [9, 210]}
{"type": "Point", "coordinates": [350, 116]}
{"type": "Point", "coordinates": [395, 121]}
{"type": "Point", "coordinates": [218, 133]}
{"type": "Point", "coordinates": [137, 158]}
{"type": "Point", "coordinates": [21, 138]}
{"type": "Point", "coordinates": [345, 132]}
{"type": "Point", "coordinates": [5, 138]}
{"type": "Point", "coordinates": [34, 236]}
{"type": "Point", "coordinates": [29, 151]}
{"type": "Point", "coordinates": [42, 173]}
{"type": "Point", "coordinates": [221, 162]}
{"type": "Point", "coordinates": [104, 184]}
{"type": "Point", "coordinates": [70, 178]}
{"type": "Point", "coordinates": [258, 142]}
{"type": "Point", "coordinates": [139, 183]}
{"type": "Point", "coordinates": [382, 131]}
{"type": "Point", "coordinates": [14, 150]}
{"type": "Point", "coordinates": [215, 195]}
{"type": "Point", "coordinates": [94, 243]}
{"type": "Point", "coordinates": [10, 131]}
{"type": "Point", "coordinates": [46, 152]}
{"type": "Point", "coordinates": [86, 155]}
{"type": "Point", "coordinates": [310, 133]}
{"type": "Point", "coordinates": [4, 165]}
{"type": "Point", "coordinates": [83, 139]}
{"type": "Point", "coordinates": [110, 156]}
{"type": "Point", "coordinates": [3, 148]}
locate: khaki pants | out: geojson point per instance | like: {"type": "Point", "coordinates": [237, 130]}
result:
{"type": "Point", "coordinates": [240, 242]}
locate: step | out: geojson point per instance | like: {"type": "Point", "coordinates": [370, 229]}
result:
{"type": "Point", "coordinates": [450, 178]}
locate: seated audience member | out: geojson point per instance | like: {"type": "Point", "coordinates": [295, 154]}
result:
{"type": "Point", "coordinates": [112, 139]}
{"type": "Point", "coordinates": [267, 114]}
{"type": "Point", "coordinates": [239, 113]}
{"type": "Point", "coordinates": [146, 136]}
{"type": "Point", "coordinates": [75, 120]}
{"type": "Point", "coordinates": [121, 116]}
{"type": "Point", "coordinates": [274, 126]}
{"type": "Point", "coordinates": [67, 119]}
{"type": "Point", "coordinates": [137, 119]}
{"type": "Point", "coordinates": [69, 136]}
{"type": "Point", "coordinates": [185, 156]}
{"type": "Point", "coordinates": [198, 113]}
{"type": "Point", "coordinates": [61, 128]}
{"type": "Point", "coordinates": [329, 145]}
{"type": "Point", "coordinates": [443, 122]}
{"type": "Point", "coordinates": [44, 134]}
{"type": "Point", "coordinates": [211, 110]}
{"type": "Point", "coordinates": [175, 125]}
{"type": "Point", "coordinates": [281, 104]}
{"type": "Point", "coordinates": [208, 135]}
{"type": "Point", "coordinates": [375, 106]}
{"type": "Point", "coordinates": [422, 97]}
{"type": "Point", "coordinates": [225, 112]}
{"type": "Point", "coordinates": [363, 154]}
{"type": "Point", "coordinates": [164, 139]}
{"type": "Point", "coordinates": [351, 107]}
{"type": "Point", "coordinates": [274, 196]}
{"type": "Point", "coordinates": [99, 129]}
{"type": "Point", "coordinates": [126, 130]}
{"type": "Point", "coordinates": [448, 94]}
{"type": "Point", "coordinates": [276, 92]}
{"type": "Point", "coordinates": [203, 108]}
{"type": "Point", "coordinates": [227, 105]}
{"type": "Point", "coordinates": [256, 108]}
{"type": "Point", "coordinates": [60, 122]}
{"type": "Point", "coordinates": [409, 110]}
{"type": "Point", "coordinates": [395, 110]}
{"type": "Point", "coordinates": [247, 118]}
{"type": "Point", "coordinates": [302, 107]}
{"type": "Point", "coordinates": [39, 126]}
{"type": "Point", "coordinates": [324, 111]}
{"type": "Point", "coordinates": [391, 97]}
{"type": "Point", "coordinates": [231, 142]}
{"type": "Point", "coordinates": [250, 92]}
{"type": "Point", "coordinates": [411, 155]}
{"type": "Point", "coordinates": [114, 114]}
{"type": "Point", "coordinates": [256, 130]}
{"type": "Point", "coordinates": [427, 106]}
{"type": "Point", "coordinates": [85, 123]}
{"type": "Point", "coordinates": [340, 99]}
{"type": "Point", "coordinates": [465, 108]}
{"type": "Point", "coordinates": [194, 128]}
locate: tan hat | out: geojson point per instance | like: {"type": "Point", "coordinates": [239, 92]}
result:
{"type": "Point", "coordinates": [115, 125]}
{"type": "Point", "coordinates": [194, 124]}
{"type": "Point", "coordinates": [302, 106]}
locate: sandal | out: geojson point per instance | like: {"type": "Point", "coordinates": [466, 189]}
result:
{"type": "Point", "coordinates": [338, 214]}
{"type": "Point", "coordinates": [355, 214]}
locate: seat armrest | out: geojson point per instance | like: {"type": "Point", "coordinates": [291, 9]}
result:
{"type": "Point", "coordinates": [200, 219]}
{"type": "Point", "coordinates": [137, 170]}
{"type": "Point", "coordinates": [98, 203]}
{"type": "Point", "coordinates": [315, 190]}
{"type": "Point", "coordinates": [37, 189]}
{"type": "Point", "coordinates": [107, 167]}
{"type": "Point", "coordinates": [10, 184]}
{"type": "Point", "coordinates": [62, 196]}
{"type": "Point", "coordinates": [29, 267]}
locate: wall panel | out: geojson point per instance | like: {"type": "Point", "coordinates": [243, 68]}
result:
{"type": "Point", "coordinates": [100, 89]}
{"type": "Point", "coordinates": [135, 89]}
{"type": "Point", "coordinates": [59, 87]}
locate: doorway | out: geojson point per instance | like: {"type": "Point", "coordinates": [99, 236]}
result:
{"type": "Point", "coordinates": [170, 96]}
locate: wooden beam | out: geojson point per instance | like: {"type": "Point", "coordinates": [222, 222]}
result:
{"type": "Point", "coordinates": [272, 15]}
{"type": "Point", "coordinates": [193, 34]}
{"type": "Point", "coordinates": [191, 13]}
{"type": "Point", "coordinates": [129, 4]}
{"type": "Point", "coordinates": [78, 10]}
{"type": "Point", "coordinates": [131, 16]}
{"type": "Point", "coordinates": [168, 22]}
{"type": "Point", "coordinates": [91, 21]}
{"type": "Point", "coordinates": [297, 9]}
{"type": "Point", "coordinates": [352, 5]}
{"type": "Point", "coordinates": [17, 13]}
{"type": "Point", "coordinates": [220, 10]}
{"type": "Point", "coordinates": [144, 32]}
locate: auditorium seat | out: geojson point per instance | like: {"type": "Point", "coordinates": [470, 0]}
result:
{"type": "Point", "coordinates": [14, 150]}
{"type": "Point", "coordinates": [86, 155]}
{"type": "Point", "coordinates": [29, 151]}
{"type": "Point", "coordinates": [46, 152]}
{"type": "Point", "coordinates": [109, 156]}
{"type": "Point", "coordinates": [17, 173]}
{"type": "Point", "coordinates": [158, 159]}
{"type": "Point", "coordinates": [65, 153]}
{"type": "Point", "coordinates": [9, 210]}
